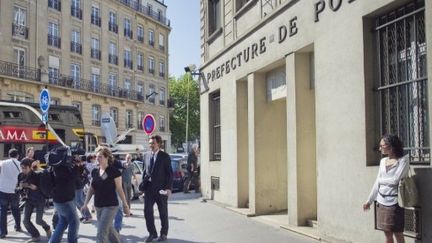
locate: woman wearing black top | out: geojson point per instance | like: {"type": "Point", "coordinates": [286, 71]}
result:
{"type": "Point", "coordinates": [106, 184]}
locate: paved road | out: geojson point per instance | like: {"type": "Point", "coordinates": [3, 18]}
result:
{"type": "Point", "coordinates": [191, 221]}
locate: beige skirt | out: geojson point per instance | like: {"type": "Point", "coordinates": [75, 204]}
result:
{"type": "Point", "coordinates": [390, 218]}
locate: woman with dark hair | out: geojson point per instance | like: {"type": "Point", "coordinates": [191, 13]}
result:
{"type": "Point", "coordinates": [106, 184]}
{"type": "Point", "coordinates": [393, 168]}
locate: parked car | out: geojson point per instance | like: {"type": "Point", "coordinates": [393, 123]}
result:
{"type": "Point", "coordinates": [138, 172]}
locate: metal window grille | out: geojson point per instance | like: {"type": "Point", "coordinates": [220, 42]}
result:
{"type": "Point", "coordinates": [402, 83]}
{"type": "Point", "coordinates": [215, 127]}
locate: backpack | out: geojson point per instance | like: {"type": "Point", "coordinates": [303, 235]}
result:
{"type": "Point", "coordinates": [46, 182]}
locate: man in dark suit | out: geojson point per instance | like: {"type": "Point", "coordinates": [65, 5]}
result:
{"type": "Point", "coordinates": [158, 172]}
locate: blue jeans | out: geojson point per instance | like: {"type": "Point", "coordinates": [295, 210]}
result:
{"type": "Point", "coordinates": [118, 220]}
{"type": "Point", "coordinates": [7, 199]}
{"type": "Point", "coordinates": [79, 200]}
{"type": "Point", "coordinates": [105, 230]}
{"type": "Point", "coordinates": [68, 218]}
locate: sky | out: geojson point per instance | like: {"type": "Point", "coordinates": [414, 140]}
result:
{"type": "Point", "coordinates": [184, 39]}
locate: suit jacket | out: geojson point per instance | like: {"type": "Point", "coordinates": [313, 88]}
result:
{"type": "Point", "coordinates": [161, 175]}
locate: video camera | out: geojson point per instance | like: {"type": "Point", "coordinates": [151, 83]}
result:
{"type": "Point", "coordinates": [62, 156]}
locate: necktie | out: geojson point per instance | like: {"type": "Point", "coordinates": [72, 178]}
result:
{"type": "Point", "coordinates": [151, 164]}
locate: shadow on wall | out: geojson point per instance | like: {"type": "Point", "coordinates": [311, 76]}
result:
{"type": "Point", "coordinates": [424, 182]}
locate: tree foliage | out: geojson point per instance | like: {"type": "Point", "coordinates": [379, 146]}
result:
{"type": "Point", "coordinates": [179, 89]}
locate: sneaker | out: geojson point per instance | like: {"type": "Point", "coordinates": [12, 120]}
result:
{"type": "Point", "coordinates": [86, 221]}
{"type": "Point", "coordinates": [34, 239]}
{"type": "Point", "coordinates": [48, 233]}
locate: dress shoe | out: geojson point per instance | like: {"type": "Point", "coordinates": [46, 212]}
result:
{"type": "Point", "coordinates": [19, 230]}
{"type": "Point", "coordinates": [150, 238]}
{"type": "Point", "coordinates": [2, 236]}
{"type": "Point", "coordinates": [162, 238]}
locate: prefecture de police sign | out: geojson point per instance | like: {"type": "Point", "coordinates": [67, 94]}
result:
{"type": "Point", "coordinates": [44, 100]}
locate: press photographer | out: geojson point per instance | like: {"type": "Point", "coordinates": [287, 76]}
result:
{"type": "Point", "coordinates": [29, 182]}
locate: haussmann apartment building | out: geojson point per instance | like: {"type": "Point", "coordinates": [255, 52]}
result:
{"type": "Point", "coordinates": [102, 56]}
{"type": "Point", "coordinates": [295, 95]}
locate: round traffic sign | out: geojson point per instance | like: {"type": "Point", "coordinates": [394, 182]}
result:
{"type": "Point", "coordinates": [149, 124]}
{"type": "Point", "coordinates": [44, 100]}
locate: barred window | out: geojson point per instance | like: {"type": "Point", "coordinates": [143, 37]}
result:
{"type": "Point", "coordinates": [215, 127]}
{"type": "Point", "coordinates": [402, 82]}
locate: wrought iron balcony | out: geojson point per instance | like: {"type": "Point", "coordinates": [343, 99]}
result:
{"type": "Point", "coordinates": [20, 30]}
{"type": "Point", "coordinates": [113, 27]}
{"type": "Point", "coordinates": [151, 42]}
{"type": "Point", "coordinates": [151, 70]}
{"type": "Point", "coordinates": [95, 53]}
{"type": "Point", "coordinates": [140, 38]}
{"type": "Point", "coordinates": [54, 40]}
{"type": "Point", "coordinates": [140, 67]}
{"type": "Point", "coordinates": [96, 20]}
{"type": "Point", "coordinates": [128, 33]}
{"type": "Point", "coordinates": [113, 59]}
{"type": "Point", "coordinates": [137, 6]}
{"type": "Point", "coordinates": [76, 47]}
{"type": "Point", "coordinates": [76, 12]}
{"type": "Point", "coordinates": [161, 74]}
{"type": "Point", "coordinates": [128, 63]}
{"type": "Point", "coordinates": [162, 48]}
{"type": "Point", "coordinates": [54, 4]}
{"type": "Point", "coordinates": [14, 70]}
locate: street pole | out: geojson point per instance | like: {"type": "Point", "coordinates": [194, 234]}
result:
{"type": "Point", "coordinates": [187, 112]}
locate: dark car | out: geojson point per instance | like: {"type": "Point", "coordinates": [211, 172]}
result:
{"type": "Point", "coordinates": [178, 165]}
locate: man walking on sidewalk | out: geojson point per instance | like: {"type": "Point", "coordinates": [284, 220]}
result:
{"type": "Point", "coordinates": [9, 171]}
{"type": "Point", "coordinates": [158, 174]}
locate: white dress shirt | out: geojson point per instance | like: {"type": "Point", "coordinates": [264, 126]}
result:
{"type": "Point", "coordinates": [9, 171]}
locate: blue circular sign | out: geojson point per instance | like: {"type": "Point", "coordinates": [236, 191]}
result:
{"type": "Point", "coordinates": [44, 100]}
{"type": "Point", "coordinates": [149, 124]}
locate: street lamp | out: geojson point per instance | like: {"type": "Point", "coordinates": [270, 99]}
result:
{"type": "Point", "coordinates": [152, 93]}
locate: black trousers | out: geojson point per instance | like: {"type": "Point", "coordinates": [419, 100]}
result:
{"type": "Point", "coordinates": [150, 198]}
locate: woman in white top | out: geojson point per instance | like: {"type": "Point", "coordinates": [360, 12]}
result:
{"type": "Point", "coordinates": [393, 168]}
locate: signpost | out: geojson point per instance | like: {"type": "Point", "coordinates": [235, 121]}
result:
{"type": "Point", "coordinates": [149, 124]}
{"type": "Point", "coordinates": [44, 104]}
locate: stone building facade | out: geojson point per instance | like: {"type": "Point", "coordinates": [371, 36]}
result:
{"type": "Point", "coordinates": [101, 56]}
{"type": "Point", "coordinates": [294, 98]}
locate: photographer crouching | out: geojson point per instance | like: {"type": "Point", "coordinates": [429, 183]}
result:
{"type": "Point", "coordinates": [28, 182]}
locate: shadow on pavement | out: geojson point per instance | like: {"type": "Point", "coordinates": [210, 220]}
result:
{"type": "Point", "coordinates": [175, 218]}
{"type": "Point", "coordinates": [186, 241]}
{"type": "Point", "coordinates": [131, 238]}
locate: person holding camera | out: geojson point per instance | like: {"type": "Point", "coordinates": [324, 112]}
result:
{"type": "Point", "coordinates": [28, 182]}
{"type": "Point", "coordinates": [192, 168]}
{"type": "Point", "coordinates": [9, 171]}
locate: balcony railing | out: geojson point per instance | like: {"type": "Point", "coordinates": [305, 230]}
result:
{"type": "Point", "coordinates": [128, 33]}
{"type": "Point", "coordinates": [161, 74]}
{"type": "Point", "coordinates": [113, 59]}
{"type": "Point", "coordinates": [151, 70]}
{"type": "Point", "coordinates": [113, 27]}
{"type": "Point", "coordinates": [134, 4]}
{"type": "Point", "coordinates": [151, 42]}
{"type": "Point", "coordinates": [14, 70]}
{"type": "Point", "coordinates": [20, 30]}
{"type": "Point", "coordinates": [128, 63]}
{"type": "Point", "coordinates": [54, 40]}
{"type": "Point", "coordinates": [96, 20]}
{"type": "Point", "coordinates": [140, 67]}
{"type": "Point", "coordinates": [76, 12]}
{"type": "Point", "coordinates": [140, 38]}
{"type": "Point", "coordinates": [161, 129]}
{"type": "Point", "coordinates": [95, 53]}
{"type": "Point", "coordinates": [162, 48]}
{"type": "Point", "coordinates": [76, 47]}
{"type": "Point", "coordinates": [54, 4]}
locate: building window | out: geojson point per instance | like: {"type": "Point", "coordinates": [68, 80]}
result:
{"type": "Point", "coordinates": [127, 86]}
{"type": "Point", "coordinates": [215, 127]}
{"type": "Point", "coordinates": [140, 120]}
{"type": "Point", "coordinates": [161, 42]}
{"type": "Point", "coordinates": [140, 33]}
{"type": "Point", "coordinates": [128, 59]}
{"type": "Point", "coordinates": [53, 35]}
{"type": "Point", "coordinates": [402, 83]}
{"type": "Point", "coordinates": [140, 61]}
{"type": "Point", "coordinates": [151, 65]}
{"type": "Point", "coordinates": [114, 115]}
{"type": "Point", "coordinates": [162, 96]}
{"type": "Point", "coordinates": [95, 80]}
{"type": "Point", "coordinates": [112, 84]}
{"type": "Point", "coordinates": [112, 56]}
{"type": "Point", "coordinates": [20, 56]}
{"type": "Point", "coordinates": [53, 75]}
{"type": "Point", "coordinates": [162, 69]}
{"type": "Point", "coordinates": [95, 49]}
{"type": "Point", "coordinates": [96, 115]}
{"type": "Point", "coordinates": [76, 42]}
{"type": "Point", "coordinates": [151, 37]}
{"type": "Point", "coordinates": [95, 16]}
{"type": "Point", "coordinates": [151, 99]}
{"type": "Point", "coordinates": [128, 28]}
{"type": "Point", "coordinates": [76, 10]}
{"type": "Point", "coordinates": [77, 104]}
{"type": "Point", "coordinates": [19, 27]}
{"type": "Point", "coordinates": [214, 20]}
{"type": "Point", "coordinates": [129, 119]}
{"type": "Point", "coordinates": [161, 123]}
{"type": "Point", "coordinates": [76, 74]}
{"type": "Point", "coordinates": [54, 4]}
{"type": "Point", "coordinates": [20, 96]}
{"type": "Point", "coordinates": [112, 24]}
{"type": "Point", "coordinates": [55, 101]}
{"type": "Point", "coordinates": [140, 91]}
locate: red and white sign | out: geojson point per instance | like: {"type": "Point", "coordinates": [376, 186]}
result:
{"type": "Point", "coordinates": [24, 135]}
{"type": "Point", "coordinates": [149, 124]}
